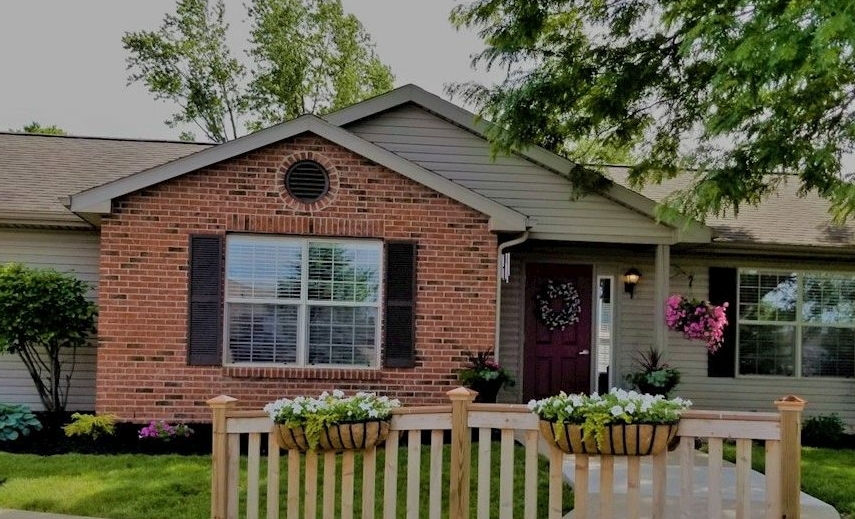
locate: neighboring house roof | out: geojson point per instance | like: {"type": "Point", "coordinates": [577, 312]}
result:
{"type": "Point", "coordinates": [37, 170]}
{"type": "Point", "coordinates": [98, 200]}
{"type": "Point", "coordinates": [784, 218]}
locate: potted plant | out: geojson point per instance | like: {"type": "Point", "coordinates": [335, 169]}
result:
{"type": "Point", "coordinates": [619, 422]}
{"type": "Point", "coordinates": [655, 376]}
{"type": "Point", "coordinates": [331, 421]}
{"type": "Point", "coordinates": [484, 375]}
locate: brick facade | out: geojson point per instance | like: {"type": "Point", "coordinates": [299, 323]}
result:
{"type": "Point", "coordinates": [142, 359]}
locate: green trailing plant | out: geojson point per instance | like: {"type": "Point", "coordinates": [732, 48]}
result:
{"type": "Point", "coordinates": [44, 314]}
{"type": "Point", "coordinates": [655, 376]}
{"type": "Point", "coordinates": [91, 426]}
{"type": "Point", "coordinates": [16, 421]}
{"type": "Point", "coordinates": [823, 430]}
{"type": "Point", "coordinates": [594, 412]}
{"type": "Point", "coordinates": [316, 414]}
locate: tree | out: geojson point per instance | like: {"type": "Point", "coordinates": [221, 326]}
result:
{"type": "Point", "coordinates": [43, 314]}
{"type": "Point", "coordinates": [308, 56]}
{"type": "Point", "coordinates": [746, 93]}
{"type": "Point", "coordinates": [35, 127]}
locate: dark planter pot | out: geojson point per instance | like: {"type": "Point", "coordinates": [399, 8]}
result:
{"type": "Point", "coordinates": [487, 390]}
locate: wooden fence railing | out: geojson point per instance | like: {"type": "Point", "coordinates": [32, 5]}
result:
{"type": "Point", "coordinates": [233, 496]}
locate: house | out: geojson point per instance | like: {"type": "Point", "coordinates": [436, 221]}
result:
{"type": "Point", "coordinates": [371, 248]}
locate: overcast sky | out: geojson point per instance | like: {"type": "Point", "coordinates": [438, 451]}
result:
{"type": "Point", "coordinates": [62, 61]}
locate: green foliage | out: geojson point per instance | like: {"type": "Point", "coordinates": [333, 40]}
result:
{"type": "Point", "coordinates": [35, 127]}
{"type": "Point", "coordinates": [714, 86]}
{"type": "Point", "coordinates": [483, 367]}
{"type": "Point", "coordinates": [823, 430]}
{"type": "Point", "coordinates": [42, 313]}
{"type": "Point", "coordinates": [309, 57]}
{"type": "Point", "coordinates": [17, 421]}
{"type": "Point", "coordinates": [91, 426]}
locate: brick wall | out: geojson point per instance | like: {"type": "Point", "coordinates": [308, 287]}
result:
{"type": "Point", "coordinates": [142, 369]}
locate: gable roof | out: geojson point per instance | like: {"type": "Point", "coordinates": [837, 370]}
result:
{"type": "Point", "coordinates": [685, 231]}
{"type": "Point", "coordinates": [37, 170]}
{"type": "Point", "coordinates": [98, 200]}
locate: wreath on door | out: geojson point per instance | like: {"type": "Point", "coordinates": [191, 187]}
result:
{"type": "Point", "coordinates": [571, 305]}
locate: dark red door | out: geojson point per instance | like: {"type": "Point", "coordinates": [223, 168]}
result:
{"type": "Point", "coordinates": [557, 359]}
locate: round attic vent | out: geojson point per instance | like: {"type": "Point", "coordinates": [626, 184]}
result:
{"type": "Point", "coordinates": [307, 181]}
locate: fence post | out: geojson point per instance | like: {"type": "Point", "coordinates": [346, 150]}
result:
{"type": "Point", "coordinates": [461, 440]}
{"type": "Point", "coordinates": [219, 455]}
{"type": "Point", "coordinates": [790, 408]}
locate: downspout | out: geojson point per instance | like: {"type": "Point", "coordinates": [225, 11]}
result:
{"type": "Point", "coordinates": [501, 250]}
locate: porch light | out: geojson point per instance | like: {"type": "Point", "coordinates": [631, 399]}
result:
{"type": "Point", "coordinates": [630, 279]}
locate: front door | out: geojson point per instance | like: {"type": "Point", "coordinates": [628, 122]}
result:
{"type": "Point", "coordinates": [557, 339]}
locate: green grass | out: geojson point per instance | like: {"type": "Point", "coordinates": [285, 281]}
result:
{"type": "Point", "coordinates": [827, 474]}
{"type": "Point", "coordinates": [142, 487]}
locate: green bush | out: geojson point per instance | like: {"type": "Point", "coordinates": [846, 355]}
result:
{"type": "Point", "coordinates": [16, 421]}
{"type": "Point", "coordinates": [90, 425]}
{"type": "Point", "coordinates": [823, 430]}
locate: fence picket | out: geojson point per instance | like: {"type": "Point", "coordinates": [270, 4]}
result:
{"type": "Point", "coordinates": [272, 478]}
{"type": "Point", "coordinates": [506, 475]}
{"type": "Point", "coordinates": [414, 463]}
{"type": "Point", "coordinates": [580, 491]}
{"type": "Point", "coordinates": [347, 476]}
{"type": "Point", "coordinates": [234, 475]}
{"type": "Point", "coordinates": [659, 473]}
{"type": "Point", "coordinates": [484, 473]}
{"type": "Point", "coordinates": [531, 474]}
{"type": "Point", "coordinates": [633, 487]}
{"type": "Point", "coordinates": [607, 486]}
{"type": "Point", "coordinates": [435, 491]}
{"type": "Point", "coordinates": [714, 477]}
{"type": "Point", "coordinates": [773, 484]}
{"type": "Point", "coordinates": [329, 485]}
{"type": "Point", "coordinates": [743, 475]}
{"type": "Point", "coordinates": [390, 478]}
{"type": "Point", "coordinates": [310, 502]}
{"type": "Point", "coordinates": [252, 464]}
{"type": "Point", "coordinates": [687, 472]}
{"type": "Point", "coordinates": [369, 473]}
{"type": "Point", "coordinates": [294, 460]}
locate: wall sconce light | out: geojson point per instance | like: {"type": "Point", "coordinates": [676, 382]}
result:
{"type": "Point", "coordinates": [630, 279]}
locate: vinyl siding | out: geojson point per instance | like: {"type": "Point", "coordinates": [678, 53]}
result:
{"type": "Point", "coordinates": [463, 157]}
{"type": "Point", "coordinates": [66, 251]}
{"type": "Point", "coordinates": [633, 331]}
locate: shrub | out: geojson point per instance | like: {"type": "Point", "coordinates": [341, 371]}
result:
{"type": "Point", "coordinates": [92, 426]}
{"type": "Point", "coordinates": [823, 430]}
{"type": "Point", "coordinates": [16, 421]}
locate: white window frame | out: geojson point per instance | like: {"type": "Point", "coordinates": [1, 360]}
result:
{"type": "Point", "coordinates": [798, 323]}
{"type": "Point", "coordinates": [611, 324]}
{"type": "Point", "coordinates": [304, 302]}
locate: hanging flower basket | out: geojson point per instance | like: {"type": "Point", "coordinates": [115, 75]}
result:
{"type": "Point", "coordinates": [618, 439]}
{"type": "Point", "coordinates": [700, 320]}
{"type": "Point", "coordinates": [343, 436]}
{"type": "Point", "coordinates": [569, 303]}
{"type": "Point", "coordinates": [620, 422]}
{"type": "Point", "coordinates": [331, 421]}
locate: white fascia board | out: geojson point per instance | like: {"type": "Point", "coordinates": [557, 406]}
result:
{"type": "Point", "coordinates": [98, 200]}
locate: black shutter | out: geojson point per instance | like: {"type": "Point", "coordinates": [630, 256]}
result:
{"type": "Point", "coordinates": [723, 285]}
{"type": "Point", "coordinates": [400, 307]}
{"type": "Point", "coordinates": [204, 323]}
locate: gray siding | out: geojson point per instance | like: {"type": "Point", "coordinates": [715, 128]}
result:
{"type": "Point", "coordinates": [67, 251]}
{"type": "Point", "coordinates": [634, 332]}
{"type": "Point", "coordinates": [463, 157]}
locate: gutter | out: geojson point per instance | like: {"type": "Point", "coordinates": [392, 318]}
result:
{"type": "Point", "coordinates": [500, 251]}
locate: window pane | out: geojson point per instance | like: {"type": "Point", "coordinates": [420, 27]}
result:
{"type": "Point", "coordinates": [829, 298]}
{"type": "Point", "coordinates": [262, 333]}
{"type": "Point", "coordinates": [342, 335]}
{"type": "Point", "coordinates": [344, 272]}
{"type": "Point", "coordinates": [767, 350]}
{"type": "Point", "coordinates": [263, 268]}
{"type": "Point", "coordinates": [828, 352]}
{"type": "Point", "coordinates": [767, 296]}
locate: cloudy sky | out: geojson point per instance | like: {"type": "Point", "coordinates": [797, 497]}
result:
{"type": "Point", "coordinates": [62, 61]}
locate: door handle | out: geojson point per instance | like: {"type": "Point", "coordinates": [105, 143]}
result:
{"type": "Point", "coordinates": [584, 352]}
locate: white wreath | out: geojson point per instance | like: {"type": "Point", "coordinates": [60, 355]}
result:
{"type": "Point", "coordinates": [570, 309]}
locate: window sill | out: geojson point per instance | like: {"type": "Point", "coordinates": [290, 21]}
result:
{"type": "Point", "coordinates": [301, 373]}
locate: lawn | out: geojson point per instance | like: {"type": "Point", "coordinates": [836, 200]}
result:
{"type": "Point", "coordinates": [142, 487]}
{"type": "Point", "coordinates": [827, 474]}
